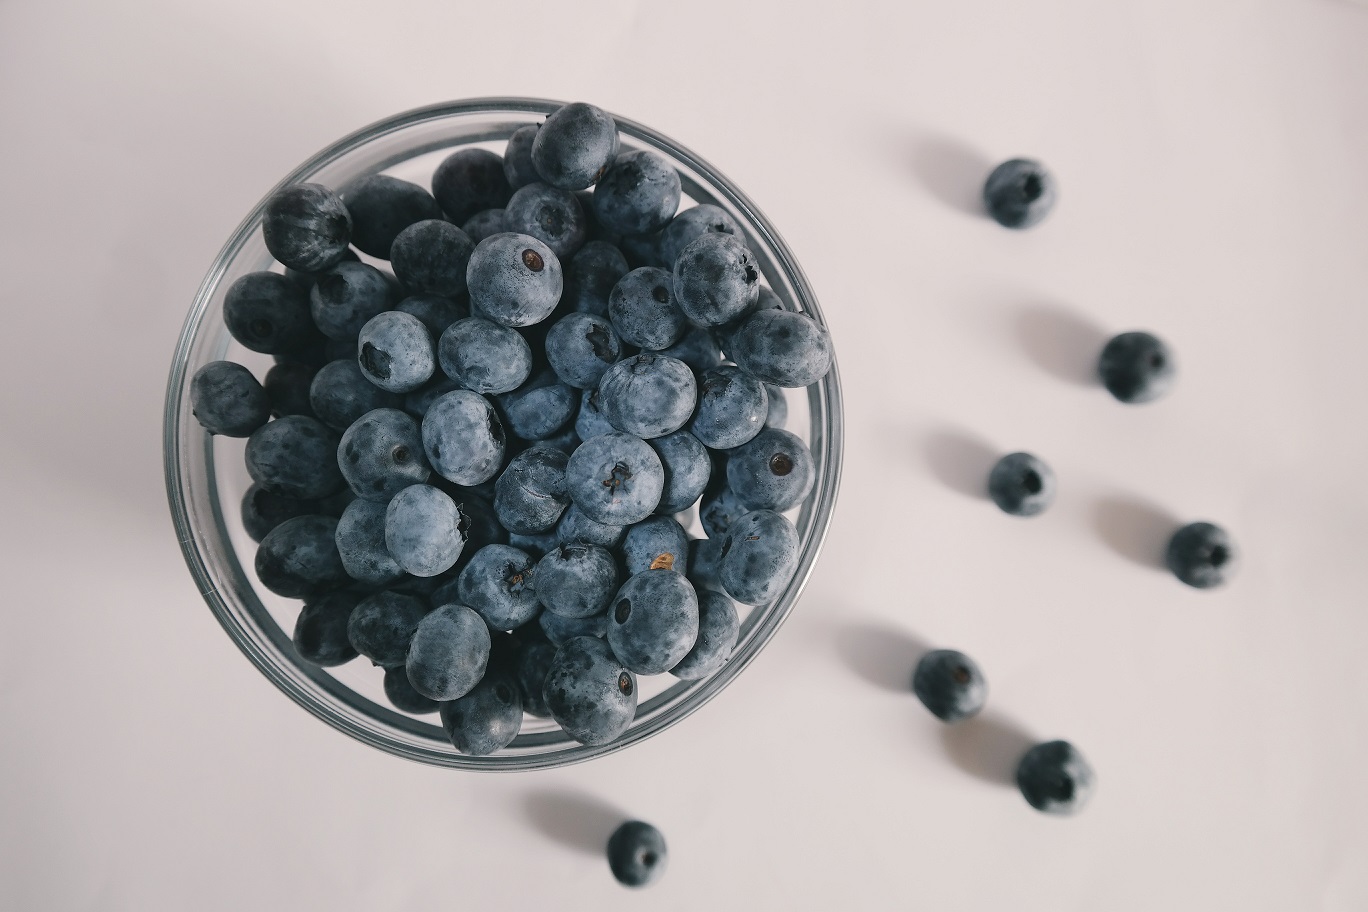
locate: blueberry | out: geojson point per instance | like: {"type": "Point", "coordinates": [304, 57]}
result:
{"type": "Point", "coordinates": [381, 454]}
{"type": "Point", "coordinates": [517, 161]}
{"type": "Point", "coordinates": [531, 493]}
{"type": "Point", "coordinates": [732, 407]}
{"type": "Point", "coordinates": [590, 276]}
{"type": "Point", "coordinates": [263, 510]}
{"type": "Point", "coordinates": [689, 225]}
{"type": "Point", "coordinates": [1054, 778]}
{"type": "Point", "coordinates": [773, 471]}
{"type": "Point", "coordinates": [648, 395]}
{"type": "Point", "coordinates": [320, 631]}
{"type": "Point", "coordinates": [580, 348]}
{"type": "Point", "coordinates": [1136, 367]}
{"type": "Point", "coordinates": [552, 216]}
{"type": "Point", "coordinates": [590, 421]}
{"type": "Point", "coordinates": [758, 558]}
{"type": "Point", "coordinates": [482, 525]}
{"type": "Point", "coordinates": [576, 580]}
{"type": "Point", "coordinates": [287, 388]}
{"type": "Point", "coordinates": [382, 206]}
{"type": "Point", "coordinates": [468, 181]}
{"type": "Point", "coordinates": [560, 629]}
{"type": "Point", "coordinates": [764, 300]}
{"type": "Point", "coordinates": [1021, 484]}
{"type": "Point", "coordinates": [539, 408]}
{"type": "Point", "coordinates": [782, 347]}
{"type": "Point", "coordinates": [500, 584]}
{"type": "Point", "coordinates": [488, 718]}
{"type": "Point", "coordinates": [718, 628]}
{"type": "Point", "coordinates": [615, 479]}
{"type": "Point", "coordinates": [299, 557]}
{"type": "Point", "coordinates": [536, 544]}
{"type": "Point", "coordinates": [687, 470]}
{"type": "Point", "coordinates": [531, 667]}
{"type": "Point", "coordinates": [306, 227]}
{"type": "Point", "coordinates": [401, 693]}
{"type": "Point", "coordinates": [463, 437]}
{"type": "Point", "coordinates": [637, 853]}
{"type": "Point", "coordinates": [653, 621]}
{"type": "Point", "coordinates": [778, 406]}
{"type": "Point", "coordinates": [591, 695]}
{"type": "Point", "coordinates": [514, 280]}
{"type": "Point", "coordinates": [656, 543]}
{"type": "Point", "coordinates": [268, 313]}
{"type": "Point", "coordinates": [696, 348]}
{"type": "Point", "coordinates": [575, 146]}
{"type": "Point", "coordinates": [1019, 193]}
{"type": "Point", "coordinates": [424, 530]}
{"type": "Point", "coordinates": [565, 440]}
{"type": "Point", "coordinates": [383, 624]}
{"type": "Point", "coordinates": [420, 400]}
{"type": "Point", "coordinates": [1201, 554]}
{"type": "Point", "coordinates": [576, 527]}
{"type": "Point", "coordinates": [716, 279]}
{"type": "Point", "coordinates": [643, 309]}
{"type": "Point", "coordinates": [228, 400]}
{"type": "Point", "coordinates": [950, 684]}
{"type": "Point", "coordinates": [431, 257]}
{"type": "Point", "coordinates": [434, 311]}
{"type": "Point", "coordinates": [485, 224]}
{"type": "Point", "coordinates": [340, 393]}
{"type": "Point", "coordinates": [643, 250]}
{"type": "Point", "coordinates": [361, 544]}
{"type": "Point", "coordinates": [345, 297]}
{"type": "Point", "coordinates": [639, 194]}
{"type": "Point", "coordinates": [719, 509]}
{"type": "Point", "coordinates": [484, 356]}
{"type": "Point", "coordinates": [396, 352]}
{"type": "Point", "coordinates": [705, 557]}
{"type": "Point", "coordinates": [448, 653]}
{"type": "Point", "coordinates": [295, 455]}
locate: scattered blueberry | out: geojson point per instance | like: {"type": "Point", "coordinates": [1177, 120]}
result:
{"type": "Point", "coordinates": [1201, 554]}
{"type": "Point", "coordinates": [484, 356]}
{"type": "Point", "coordinates": [1019, 193]}
{"type": "Point", "coordinates": [430, 257]}
{"type": "Point", "coordinates": [401, 693]}
{"type": "Point", "coordinates": [488, 718]}
{"type": "Point", "coordinates": [382, 206]}
{"type": "Point", "coordinates": [299, 557]}
{"type": "Point", "coordinates": [782, 347]}
{"type": "Point", "coordinates": [653, 621]}
{"type": "Point", "coordinates": [1054, 778]}
{"type": "Point", "coordinates": [539, 408]}
{"type": "Point", "coordinates": [345, 297]}
{"type": "Point", "coordinates": [531, 493]}
{"type": "Point", "coordinates": [306, 227]}
{"type": "Point", "coordinates": [773, 471]}
{"type": "Point", "coordinates": [448, 653]}
{"type": "Point", "coordinates": [580, 348]}
{"type": "Point", "coordinates": [639, 194]}
{"type": "Point", "coordinates": [295, 455]}
{"type": "Point", "coordinates": [576, 527]}
{"type": "Point", "coordinates": [485, 224]}
{"type": "Point", "coordinates": [560, 629]}
{"type": "Point", "coordinates": [689, 225]}
{"type": "Point", "coordinates": [361, 544]}
{"type": "Point", "coordinates": [575, 146]}
{"type": "Point", "coordinates": [1021, 484]}
{"type": "Point", "coordinates": [637, 854]}
{"type": "Point", "coordinates": [468, 181]}
{"type": "Point", "coordinates": [950, 685]}
{"type": "Point", "coordinates": [424, 530]}
{"type": "Point", "coordinates": [590, 276]}
{"type": "Point", "coordinates": [381, 454]}
{"type": "Point", "coordinates": [716, 279]}
{"type": "Point", "coordinates": [320, 631]}
{"type": "Point", "coordinates": [226, 399]}
{"type": "Point", "coordinates": [648, 395]}
{"type": "Point", "coordinates": [687, 470]}
{"type": "Point", "coordinates": [500, 584]}
{"type": "Point", "coordinates": [615, 479]}
{"type": "Point", "coordinates": [1136, 367]}
{"type": "Point", "coordinates": [552, 216]}
{"type": "Point", "coordinates": [287, 386]}
{"type": "Point", "coordinates": [576, 580]}
{"type": "Point", "coordinates": [656, 543]}
{"type": "Point", "coordinates": [758, 558]}
{"type": "Point", "coordinates": [514, 280]}
{"type": "Point", "coordinates": [383, 624]}
{"type": "Point", "coordinates": [643, 309]}
{"type": "Point", "coordinates": [718, 628]}
{"type": "Point", "coordinates": [340, 394]}
{"type": "Point", "coordinates": [591, 695]}
{"type": "Point", "coordinates": [463, 438]}
{"type": "Point", "coordinates": [268, 313]}
{"type": "Point", "coordinates": [517, 162]}
{"type": "Point", "coordinates": [732, 408]}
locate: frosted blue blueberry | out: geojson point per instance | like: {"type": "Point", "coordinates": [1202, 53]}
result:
{"type": "Point", "coordinates": [402, 695]}
{"type": "Point", "coordinates": [463, 438]}
{"type": "Point", "coordinates": [576, 580]}
{"type": "Point", "coordinates": [306, 227]}
{"type": "Point", "coordinates": [430, 257]}
{"type": "Point", "coordinates": [1136, 367]}
{"type": "Point", "coordinates": [550, 215]}
{"type": "Point", "coordinates": [656, 543]}
{"type": "Point", "coordinates": [484, 224]}
{"type": "Point", "coordinates": [396, 352]}
{"type": "Point", "coordinates": [643, 309]}
{"type": "Point", "coordinates": [382, 453]}
{"type": "Point", "coordinates": [590, 694]}
{"type": "Point", "coordinates": [580, 348]}
{"type": "Point", "coordinates": [1201, 554]}
{"type": "Point", "coordinates": [514, 280]}
{"type": "Point", "coordinates": [950, 685]}
{"type": "Point", "coordinates": [530, 495]}
{"type": "Point", "coordinates": [758, 558]}
{"type": "Point", "coordinates": [347, 296]}
{"type": "Point", "coordinates": [517, 162]}
{"type": "Point", "coordinates": [340, 393]}
{"type": "Point", "coordinates": [615, 479]}
{"type": "Point", "coordinates": [499, 583]}
{"type": "Point", "coordinates": [732, 408]}
{"type": "Point", "coordinates": [361, 544]}
{"type": "Point", "coordinates": [560, 629]}
{"type": "Point", "coordinates": [716, 279]}
{"type": "Point", "coordinates": [590, 421]}
{"type": "Point", "coordinates": [539, 408]}
{"type": "Point", "coordinates": [320, 631]}
{"type": "Point", "coordinates": [689, 225]}
{"type": "Point", "coordinates": [648, 395]}
{"type": "Point", "coordinates": [295, 455]}
{"type": "Point", "coordinates": [299, 557]}
{"type": "Point", "coordinates": [485, 357]}
{"type": "Point", "coordinates": [637, 854]}
{"type": "Point", "coordinates": [590, 276]}
{"type": "Point", "coordinates": [782, 347]}
{"type": "Point", "coordinates": [575, 146]}
{"type": "Point", "coordinates": [420, 400]}
{"type": "Point", "coordinates": [434, 311]}
{"type": "Point", "coordinates": [226, 399]}
{"type": "Point", "coordinates": [638, 194]}
{"type": "Point", "coordinates": [575, 527]}
{"type": "Point", "coordinates": [536, 544]}
{"type": "Point", "coordinates": [705, 557]}
{"type": "Point", "coordinates": [1019, 193]}
{"type": "Point", "coordinates": [653, 621]}
{"type": "Point", "coordinates": [687, 470]}
{"type": "Point", "coordinates": [382, 626]}
{"type": "Point", "coordinates": [696, 348]}
{"type": "Point", "coordinates": [268, 313]}
{"type": "Point", "coordinates": [772, 471]}
{"type": "Point", "coordinates": [1021, 485]}
{"type": "Point", "coordinates": [382, 206]}
{"type": "Point", "coordinates": [719, 509]}
{"type": "Point", "coordinates": [718, 628]}
{"type": "Point", "coordinates": [263, 510]}
{"type": "Point", "coordinates": [488, 718]}
{"type": "Point", "coordinates": [1055, 779]}
{"type": "Point", "coordinates": [468, 181]}
{"type": "Point", "coordinates": [448, 653]}
{"type": "Point", "coordinates": [424, 530]}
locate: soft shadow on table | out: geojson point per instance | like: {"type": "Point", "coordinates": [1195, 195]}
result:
{"type": "Point", "coordinates": [574, 819]}
{"type": "Point", "coordinates": [1134, 528]}
{"type": "Point", "coordinates": [1061, 342]}
{"type": "Point", "coordinates": [952, 171]}
{"type": "Point", "coordinates": [960, 460]}
{"type": "Point", "coordinates": [882, 654]}
{"type": "Point", "coordinates": [988, 746]}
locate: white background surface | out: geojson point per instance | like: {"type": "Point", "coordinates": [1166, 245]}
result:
{"type": "Point", "coordinates": [1211, 155]}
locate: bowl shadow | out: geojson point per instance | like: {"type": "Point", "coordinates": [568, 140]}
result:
{"type": "Point", "coordinates": [1060, 342]}
{"type": "Point", "coordinates": [881, 654]}
{"type": "Point", "coordinates": [1134, 529]}
{"type": "Point", "coordinates": [960, 461]}
{"type": "Point", "coordinates": [987, 746]}
{"type": "Point", "coordinates": [574, 819]}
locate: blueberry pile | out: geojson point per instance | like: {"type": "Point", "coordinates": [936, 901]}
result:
{"type": "Point", "coordinates": [469, 465]}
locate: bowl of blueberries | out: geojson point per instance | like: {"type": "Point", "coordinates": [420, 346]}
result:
{"type": "Point", "coordinates": [503, 434]}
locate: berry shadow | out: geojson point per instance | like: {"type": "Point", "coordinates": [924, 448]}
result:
{"type": "Point", "coordinates": [882, 654]}
{"type": "Point", "coordinates": [574, 819]}
{"type": "Point", "coordinates": [1134, 529]}
{"type": "Point", "coordinates": [960, 461]}
{"type": "Point", "coordinates": [952, 172]}
{"type": "Point", "coordinates": [1060, 342]}
{"type": "Point", "coordinates": [987, 746]}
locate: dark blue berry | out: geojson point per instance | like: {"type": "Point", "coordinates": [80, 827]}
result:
{"type": "Point", "coordinates": [448, 653]}
{"type": "Point", "coordinates": [782, 347]}
{"type": "Point", "coordinates": [485, 224]}
{"type": "Point", "coordinates": [689, 225]}
{"type": "Point", "coordinates": [396, 352]}
{"type": "Point", "coordinates": [575, 146]}
{"type": "Point", "coordinates": [1019, 193]}
{"type": "Point", "coordinates": [576, 580]}
{"type": "Point", "coordinates": [468, 181]}
{"type": "Point", "coordinates": [320, 631]}
{"type": "Point", "coordinates": [463, 438]}
{"type": "Point", "coordinates": [1021, 484]}
{"type": "Point", "coordinates": [424, 530]}
{"type": "Point", "coordinates": [340, 393]}
{"type": "Point", "coordinates": [306, 227]}
{"type": "Point", "coordinates": [696, 348]}
{"type": "Point", "coordinates": [536, 544]}
{"type": "Point", "coordinates": [687, 470]}
{"type": "Point", "coordinates": [226, 399]}
{"type": "Point", "coordinates": [720, 508]}
{"type": "Point", "coordinates": [576, 527]}
{"type": "Point", "coordinates": [514, 280]}
{"type": "Point", "coordinates": [758, 558]}
{"type": "Point", "coordinates": [539, 408]}
{"type": "Point", "coordinates": [500, 584]}
{"type": "Point", "coordinates": [591, 695]}
{"type": "Point", "coordinates": [295, 455]}
{"type": "Point", "coordinates": [420, 400]}
{"type": "Point", "coordinates": [716, 279]}
{"type": "Point", "coordinates": [299, 557]}
{"type": "Point", "coordinates": [732, 407]}
{"type": "Point", "coordinates": [287, 387]}
{"type": "Point", "coordinates": [382, 206]}
{"type": "Point", "coordinates": [1201, 554]}
{"type": "Point", "coordinates": [268, 313]}
{"type": "Point", "coordinates": [615, 479]}
{"type": "Point", "coordinates": [648, 395]}
{"type": "Point", "coordinates": [590, 276]}
{"type": "Point", "coordinates": [381, 454]}
{"type": "Point", "coordinates": [639, 194]}
{"type": "Point", "coordinates": [361, 544]}
{"type": "Point", "coordinates": [580, 348]}
{"type": "Point", "coordinates": [347, 296]}
{"type": "Point", "coordinates": [488, 718]}
{"type": "Point", "coordinates": [565, 440]}
{"type": "Point", "coordinates": [637, 854]}
{"type": "Point", "coordinates": [590, 421]}
{"type": "Point", "coordinates": [1054, 778]}
{"type": "Point", "coordinates": [401, 693]}
{"type": "Point", "coordinates": [718, 628]}
{"type": "Point", "coordinates": [643, 309]}
{"type": "Point", "coordinates": [950, 685]}
{"type": "Point", "coordinates": [705, 558]}
{"type": "Point", "coordinates": [431, 257]}
{"type": "Point", "coordinates": [560, 629]}
{"type": "Point", "coordinates": [773, 471]}
{"type": "Point", "coordinates": [517, 161]}
{"type": "Point", "coordinates": [434, 311]}
{"type": "Point", "coordinates": [656, 543]}
{"type": "Point", "coordinates": [263, 510]}
{"type": "Point", "coordinates": [550, 215]}
{"type": "Point", "coordinates": [642, 250]}
{"type": "Point", "coordinates": [1136, 367]}
{"type": "Point", "coordinates": [530, 668]}
{"type": "Point", "coordinates": [531, 493]}
{"type": "Point", "coordinates": [484, 356]}
{"type": "Point", "coordinates": [382, 626]}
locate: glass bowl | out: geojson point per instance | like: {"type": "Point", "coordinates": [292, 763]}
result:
{"type": "Point", "coordinates": [206, 479]}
